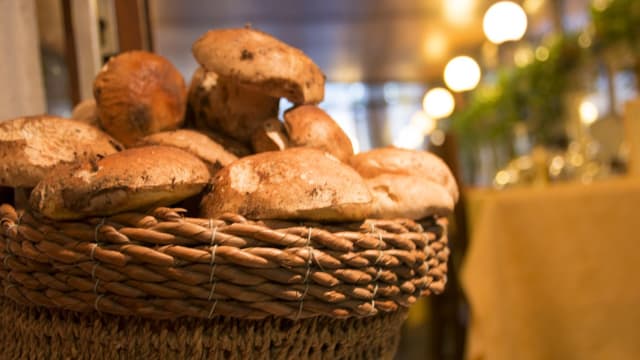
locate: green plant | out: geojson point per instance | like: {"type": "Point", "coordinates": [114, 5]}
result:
{"type": "Point", "coordinates": [617, 22]}
{"type": "Point", "coordinates": [617, 26]}
{"type": "Point", "coordinates": [533, 94]}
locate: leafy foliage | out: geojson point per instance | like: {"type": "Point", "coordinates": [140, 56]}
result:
{"type": "Point", "coordinates": [617, 22]}
{"type": "Point", "coordinates": [532, 94]}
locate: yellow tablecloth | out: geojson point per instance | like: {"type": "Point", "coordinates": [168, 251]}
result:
{"type": "Point", "coordinates": [554, 273]}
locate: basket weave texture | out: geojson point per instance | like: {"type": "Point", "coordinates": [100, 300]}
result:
{"type": "Point", "coordinates": [41, 333]}
{"type": "Point", "coordinates": [163, 265]}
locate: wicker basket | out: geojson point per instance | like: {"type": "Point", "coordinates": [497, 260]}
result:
{"type": "Point", "coordinates": [164, 285]}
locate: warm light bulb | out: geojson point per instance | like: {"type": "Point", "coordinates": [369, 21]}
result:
{"type": "Point", "coordinates": [504, 21]}
{"type": "Point", "coordinates": [462, 73]}
{"type": "Point", "coordinates": [438, 103]}
{"type": "Point", "coordinates": [588, 112]}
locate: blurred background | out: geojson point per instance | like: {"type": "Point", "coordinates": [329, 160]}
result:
{"type": "Point", "coordinates": [532, 103]}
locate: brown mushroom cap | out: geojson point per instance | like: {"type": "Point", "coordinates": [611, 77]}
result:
{"type": "Point", "coordinates": [31, 146]}
{"type": "Point", "coordinates": [406, 183]}
{"type": "Point", "coordinates": [297, 183]}
{"type": "Point", "coordinates": [392, 160]}
{"type": "Point", "coordinates": [407, 196]}
{"type": "Point", "coordinates": [194, 142]}
{"type": "Point", "coordinates": [129, 180]}
{"type": "Point", "coordinates": [139, 93]}
{"type": "Point", "coordinates": [228, 107]}
{"type": "Point", "coordinates": [310, 126]}
{"type": "Point", "coordinates": [87, 112]}
{"type": "Point", "coordinates": [253, 58]}
{"type": "Point", "coordinates": [233, 146]}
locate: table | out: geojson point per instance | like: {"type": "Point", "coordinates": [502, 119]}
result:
{"type": "Point", "coordinates": [552, 273]}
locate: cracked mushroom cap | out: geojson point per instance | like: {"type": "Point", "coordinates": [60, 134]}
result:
{"type": "Point", "coordinates": [194, 142]}
{"type": "Point", "coordinates": [139, 93]}
{"type": "Point", "coordinates": [134, 179]}
{"type": "Point", "coordinates": [310, 126]}
{"type": "Point", "coordinates": [407, 196]}
{"type": "Point", "coordinates": [30, 147]}
{"type": "Point", "coordinates": [297, 183]}
{"type": "Point", "coordinates": [406, 162]}
{"type": "Point", "coordinates": [406, 183]}
{"type": "Point", "coordinates": [256, 59]}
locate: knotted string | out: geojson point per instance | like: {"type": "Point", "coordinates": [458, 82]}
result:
{"type": "Point", "coordinates": [96, 240]}
{"type": "Point", "coordinates": [307, 273]}
{"type": "Point", "coordinates": [212, 279]}
{"type": "Point", "coordinates": [378, 270]}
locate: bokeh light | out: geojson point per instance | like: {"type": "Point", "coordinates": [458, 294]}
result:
{"type": "Point", "coordinates": [462, 73]}
{"type": "Point", "coordinates": [588, 112]}
{"type": "Point", "coordinates": [504, 21]}
{"type": "Point", "coordinates": [438, 103]}
{"type": "Point", "coordinates": [422, 123]}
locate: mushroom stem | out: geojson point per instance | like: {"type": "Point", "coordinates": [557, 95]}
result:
{"type": "Point", "coordinates": [270, 137]}
{"type": "Point", "coordinates": [226, 106]}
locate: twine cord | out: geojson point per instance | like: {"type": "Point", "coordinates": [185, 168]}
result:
{"type": "Point", "coordinates": [213, 309]}
{"type": "Point", "coordinates": [5, 262]}
{"type": "Point", "coordinates": [93, 277]}
{"type": "Point", "coordinates": [8, 238]}
{"type": "Point", "coordinates": [307, 273]}
{"type": "Point", "coordinates": [379, 269]}
{"type": "Point", "coordinates": [212, 280]}
{"type": "Point", "coordinates": [97, 302]}
{"type": "Point", "coordinates": [96, 240]}
{"type": "Point", "coordinates": [6, 289]}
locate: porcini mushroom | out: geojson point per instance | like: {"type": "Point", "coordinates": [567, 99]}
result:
{"type": "Point", "coordinates": [32, 146]}
{"type": "Point", "coordinates": [87, 112]}
{"type": "Point", "coordinates": [214, 155]}
{"type": "Point", "coordinates": [139, 93]}
{"type": "Point", "coordinates": [228, 107]}
{"type": "Point", "coordinates": [270, 137]}
{"type": "Point", "coordinates": [258, 60]}
{"type": "Point", "coordinates": [310, 126]}
{"type": "Point", "coordinates": [252, 67]}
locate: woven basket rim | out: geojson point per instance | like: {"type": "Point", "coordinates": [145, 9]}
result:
{"type": "Point", "coordinates": [161, 264]}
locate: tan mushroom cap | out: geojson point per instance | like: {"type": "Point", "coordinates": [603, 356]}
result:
{"type": "Point", "coordinates": [233, 146]}
{"type": "Point", "coordinates": [194, 142]}
{"type": "Point", "coordinates": [406, 196]}
{"type": "Point", "coordinates": [134, 179]}
{"type": "Point", "coordinates": [310, 126]}
{"type": "Point", "coordinates": [296, 183]}
{"type": "Point", "coordinates": [86, 111]}
{"type": "Point", "coordinates": [392, 160]}
{"type": "Point", "coordinates": [139, 93]}
{"type": "Point", "coordinates": [253, 58]}
{"type": "Point", "coordinates": [31, 146]}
